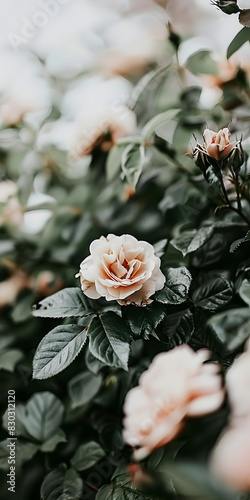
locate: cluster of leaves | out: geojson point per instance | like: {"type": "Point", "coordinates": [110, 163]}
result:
{"type": "Point", "coordinates": [87, 354]}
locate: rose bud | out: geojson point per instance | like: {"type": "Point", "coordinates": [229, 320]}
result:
{"type": "Point", "coordinates": [244, 17]}
{"type": "Point", "coordinates": [218, 144]}
{"type": "Point", "coordinates": [200, 158]}
{"type": "Point", "coordinates": [227, 6]}
{"type": "Point", "coordinates": [236, 158]}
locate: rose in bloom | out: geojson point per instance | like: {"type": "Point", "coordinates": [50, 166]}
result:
{"type": "Point", "coordinates": [176, 385]}
{"type": "Point", "coordinates": [230, 459]}
{"type": "Point", "coordinates": [121, 268]}
{"type": "Point", "coordinates": [103, 129]}
{"type": "Point", "coordinates": [218, 144]}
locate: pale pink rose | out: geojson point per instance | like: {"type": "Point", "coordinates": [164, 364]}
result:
{"type": "Point", "coordinates": [121, 268]}
{"type": "Point", "coordinates": [218, 144]}
{"type": "Point", "coordinates": [12, 286]}
{"type": "Point", "coordinates": [230, 460]}
{"type": "Point", "coordinates": [238, 383]}
{"type": "Point", "coordinates": [176, 385]}
{"type": "Point", "coordinates": [12, 211]}
{"type": "Point", "coordinates": [102, 128]}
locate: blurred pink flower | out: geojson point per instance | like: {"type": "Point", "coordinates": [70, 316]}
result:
{"type": "Point", "coordinates": [176, 385]}
{"type": "Point", "coordinates": [121, 268]}
{"type": "Point", "coordinates": [230, 460]}
{"type": "Point", "coordinates": [238, 382]}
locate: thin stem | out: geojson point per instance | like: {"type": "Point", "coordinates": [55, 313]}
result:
{"type": "Point", "coordinates": [239, 209]}
{"type": "Point", "coordinates": [237, 185]}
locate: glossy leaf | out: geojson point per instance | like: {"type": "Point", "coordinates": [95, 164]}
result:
{"type": "Point", "coordinates": [213, 294]}
{"type": "Point", "coordinates": [57, 350]}
{"type": "Point", "coordinates": [189, 241]}
{"type": "Point", "coordinates": [83, 388]}
{"type": "Point", "coordinates": [175, 291]}
{"type": "Point", "coordinates": [87, 455]}
{"type": "Point", "coordinates": [63, 304]}
{"type": "Point", "coordinates": [62, 484]}
{"type": "Point", "coordinates": [109, 340]}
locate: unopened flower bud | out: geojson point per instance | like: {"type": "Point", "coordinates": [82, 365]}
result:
{"type": "Point", "coordinates": [236, 157]}
{"type": "Point", "coordinates": [227, 6]}
{"type": "Point", "coordinates": [200, 158]}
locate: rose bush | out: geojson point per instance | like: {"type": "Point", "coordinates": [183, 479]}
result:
{"type": "Point", "coordinates": [141, 358]}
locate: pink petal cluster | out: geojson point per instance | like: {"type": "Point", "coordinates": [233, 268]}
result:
{"type": "Point", "coordinates": [176, 385]}
{"type": "Point", "coordinates": [230, 460]}
{"type": "Point", "coordinates": [121, 268]}
{"type": "Point", "coordinates": [218, 144]}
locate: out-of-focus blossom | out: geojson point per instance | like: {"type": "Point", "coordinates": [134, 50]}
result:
{"type": "Point", "coordinates": [230, 460]}
{"type": "Point", "coordinates": [47, 283]}
{"type": "Point", "coordinates": [238, 382]}
{"type": "Point", "coordinates": [134, 41]}
{"type": "Point", "coordinates": [95, 114]}
{"type": "Point", "coordinates": [103, 129]}
{"type": "Point", "coordinates": [22, 90]}
{"type": "Point", "coordinates": [71, 41]}
{"type": "Point", "coordinates": [7, 189]}
{"type": "Point", "coordinates": [121, 268]}
{"type": "Point", "coordinates": [11, 211]}
{"type": "Point", "coordinates": [12, 286]}
{"type": "Point", "coordinates": [177, 384]}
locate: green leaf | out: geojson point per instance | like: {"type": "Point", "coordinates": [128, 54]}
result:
{"type": "Point", "coordinates": [43, 415]}
{"type": "Point", "coordinates": [51, 443]}
{"type": "Point", "coordinates": [244, 291]}
{"type": "Point", "coordinates": [63, 304]}
{"type": "Point", "coordinates": [62, 484]}
{"type": "Point", "coordinates": [213, 294]}
{"type": "Point", "coordinates": [144, 320]}
{"type": "Point", "coordinates": [109, 340]}
{"type": "Point", "coordinates": [106, 492]}
{"type": "Point", "coordinates": [113, 163]}
{"type": "Point", "coordinates": [83, 388]}
{"type": "Point", "coordinates": [202, 63]}
{"type": "Point", "coordinates": [87, 455]}
{"type": "Point", "coordinates": [24, 452]}
{"type": "Point", "coordinates": [177, 328]}
{"type": "Point", "coordinates": [147, 83]}
{"type": "Point", "coordinates": [176, 194]}
{"type": "Point", "coordinates": [94, 365]}
{"type": "Point", "coordinates": [178, 281]}
{"type": "Point", "coordinates": [22, 309]}
{"type": "Point", "coordinates": [160, 247]}
{"type": "Point", "coordinates": [57, 350]}
{"type": "Point", "coordinates": [132, 161]}
{"type": "Point", "coordinates": [150, 127]}
{"type": "Point", "coordinates": [189, 241]}
{"type": "Point", "coordinates": [9, 359]}
{"type": "Point", "coordinates": [242, 37]}
{"type": "Point", "coordinates": [20, 416]}
{"type": "Point", "coordinates": [231, 327]}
